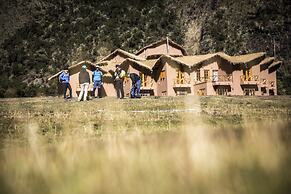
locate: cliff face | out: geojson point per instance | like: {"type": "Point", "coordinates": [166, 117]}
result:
{"type": "Point", "coordinates": [38, 37]}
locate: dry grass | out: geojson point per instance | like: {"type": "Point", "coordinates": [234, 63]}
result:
{"type": "Point", "coordinates": [165, 145]}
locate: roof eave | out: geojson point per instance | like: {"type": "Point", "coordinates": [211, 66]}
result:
{"type": "Point", "coordinates": [140, 64]}
{"type": "Point", "coordinates": [55, 75]}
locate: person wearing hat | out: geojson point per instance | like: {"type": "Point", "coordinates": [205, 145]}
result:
{"type": "Point", "coordinates": [119, 76]}
{"type": "Point", "coordinates": [64, 79]}
{"type": "Point", "coordinates": [84, 81]}
{"type": "Point", "coordinates": [97, 78]}
{"type": "Point", "coordinates": [136, 83]}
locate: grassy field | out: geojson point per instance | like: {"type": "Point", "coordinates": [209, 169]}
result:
{"type": "Point", "coordinates": [150, 145]}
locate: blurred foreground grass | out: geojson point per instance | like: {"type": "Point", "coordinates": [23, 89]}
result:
{"type": "Point", "coordinates": [150, 145]}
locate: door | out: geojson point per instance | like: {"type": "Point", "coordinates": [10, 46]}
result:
{"type": "Point", "coordinates": [162, 84]}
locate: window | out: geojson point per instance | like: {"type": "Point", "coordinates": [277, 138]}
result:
{"type": "Point", "coordinates": [198, 75]}
{"type": "Point", "coordinates": [249, 92]}
{"type": "Point", "coordinates": [201, 92]}
{"type": "Point", "coordinates": [222, 91]}
{"type": "Point", "coordinates": [195, 77]}
{"type": "Point", "coordinates": [143, 78]}
{"type": "Point", "coordinates": [180, 78]}
{"type": "Point", "coordinates": [181, 93]}
{"type": "Point", "coordinates": [206, 75]}
{"type": "Point", "coordinates": [215, 75]}
{"type": "Point", "coordinates": [271, 92]}
{"type": "Point", "coordinates": [264, 90]}
{"type": "Point", "coordinates": [162, 75]}
{"type": "Point", "coordinates": [247, 73]}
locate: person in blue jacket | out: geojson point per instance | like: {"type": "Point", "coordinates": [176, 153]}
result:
{"type": "Point", "coordinates": [64, 79]}
{"type": "Point", "coordinates": [97, 77]}
{"type": "Point", "coordinates": [136, 83]}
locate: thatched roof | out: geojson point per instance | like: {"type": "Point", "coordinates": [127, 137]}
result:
{"type": "Point", "coordinates": [163, 41]}
{"type": "Point", "coordinates": [138, 65]}
{"type": "Point", "coordinates": [122, 52]}
{"type": "Point", "coordinates": [186, 61]}
{"type": "Point", "coordinates": [106, 63]}
{"type": "Point", "coordinates": [267, 60]}
{"type": "Point", "coordinates": [55, 75]}
{"type": "Point", "coordinates": [275, 65]}
{"type": "Point", "coordinates": [81, 63]}
{"type": "Point", "coordinates": [243, 59]}
{"type": "Point", "coordinates": [150, 63]}
{"type": "Point", "coordinates": [144, 64]}
{"type": "Point", "coordinates": [93, 66]}
{"type": "Point", "coordinates": [170, 60]}
{"type": "Point", "coordinates": [193, 61]}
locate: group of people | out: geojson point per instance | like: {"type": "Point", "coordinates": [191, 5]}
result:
{"type": "Point", "coordinates": [97, 78]}
{"type": "Point", "coordinates": [119, 76]}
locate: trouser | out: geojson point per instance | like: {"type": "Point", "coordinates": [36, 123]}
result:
{"type": "Point", "coordinates": [65, 87]}
{"type": "Point", "coordinates": [97, 85]}
{"type": "Point", "coordinates": [135, 90]}
{"type": "Point", "coordinates": [119, 88]}
{"type": "Point", "coordinates": [83, 92]}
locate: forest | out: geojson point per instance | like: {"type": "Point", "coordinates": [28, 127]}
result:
{"type": "Point", "coordinates": [39, 37]}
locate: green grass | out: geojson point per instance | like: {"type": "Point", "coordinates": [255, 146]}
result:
{"type": "Point", "coordinates": [149, 145]}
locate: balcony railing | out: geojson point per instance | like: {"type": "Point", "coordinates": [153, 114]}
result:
{"type": "Point", "coordinates": [264, 82]}
{"type": "Point", "coordinates": [202, 80]}
{"type": "Point", "coordinates": [222, 79]}
{"type": "Point", "coordinates": [247, 80]}
{"type": "Point", "coordinates": [272, 83]}
{"type": "Point", "coordinates": [183, 82]}
{"type": "Point", "coordinates": [147, 85]}
{"type": "Point", "coordinates": [216, 79]}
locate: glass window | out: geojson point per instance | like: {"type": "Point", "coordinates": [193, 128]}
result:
{"type": "Point", "coordinates": [222, 91]}
{"type": "Point", "coordinates": [180, 77]}
{"type": "Point", "coordinates": [195, 77]}
{"type": "Point", "coordinates": [206, 74]}
{"type": "Point", "coordinates": [198, 75]}
{"type": "Point", "coordinates": [162, 75]}
{"type": "Point", "coordinates": [143, 78]}
{"type": "Point", "coordinates": [247, 73]}
{"type": "Point", "coordinates": [249, 92]}
{"type": "Point", "coordinates": [215, 75]}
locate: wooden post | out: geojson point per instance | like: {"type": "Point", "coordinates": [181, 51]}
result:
{"type": "Point", "coordinates": [274, 47]}
{"type": "Point", "coordinates": [167, 45]}
{"type": "Point", "coordinates": [142, 80]}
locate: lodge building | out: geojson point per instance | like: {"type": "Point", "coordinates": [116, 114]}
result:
{"type": "Point", "coordinates": [166, 69]}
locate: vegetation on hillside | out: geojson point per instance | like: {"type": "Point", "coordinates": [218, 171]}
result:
{"type": "Point", "coordinates": [39, 37]}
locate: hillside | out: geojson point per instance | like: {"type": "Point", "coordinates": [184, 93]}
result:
{"type": "Point", "coordinates": [39, 37]}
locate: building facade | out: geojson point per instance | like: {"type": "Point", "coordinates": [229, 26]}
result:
{"type": "Point", "coordinates": [166, 69]}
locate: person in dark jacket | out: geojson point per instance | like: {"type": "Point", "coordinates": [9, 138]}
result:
{"type": "Point", "coordinates": [64, 79]}
{"type": "Point", "coordinates": [135, 88]}
{"type": "Point", "coordinates": [84, 81]}
{"type": "Point", "coordinates": [119, 76]}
